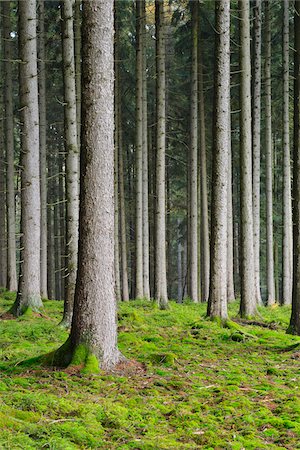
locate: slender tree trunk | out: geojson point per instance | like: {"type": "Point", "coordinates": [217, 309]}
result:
{"type": "Point", "coordinates": [58, 243]}
{"type": "Point", "coordinates": [204, 230]}
{"type": "Point", "coordinates": [124, 268]}
{"type": "Point", "coordinates": [256, 125]}
{"type": "Point", "coordinates": [179, 265]}
{"type": "Point", "coordinates": [248, 300]}
{"type": "Point", "coordinates": [217, 302]}
{"type": "Point", "coordinates": [145, 162]}
{"type": "Point", "coordinates": [116, 187]}
{"type": "Point", "coordinates": [160, 257]}
{"type": "Point", "coordinates": [71, 150]}
{"type": "Point", "coordinates": [93, 338]}
{"type": "Point", "coordinates": [287, 249]}
{"type": "Point", "coordinates": [139, 282]}
{"type": "Point", "coordinates": [29, 283]}
{"type": "Point", "coordinates": [294, 327]}
{"type": "Point", "coordinates": [3, 235]}
{"type": "Point", "coordinates": [77, 49]}
{"type": "Point", "coordinates": [269, 160]}
{"type": "Point", "coordinates": [43, 146]}
{"type": "Point", "coordinates": [50, 231]}
{"type": "Point", "coordinates": [193, 178]}
{"type": "Point", "coordinates": [230, 276]}
{"type": "Point", "coordinates": [9, 150]}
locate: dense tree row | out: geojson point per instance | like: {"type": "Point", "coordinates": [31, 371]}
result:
{"type": "Point", "coordinates": [184, 120]}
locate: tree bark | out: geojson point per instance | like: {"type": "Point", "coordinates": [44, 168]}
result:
{"type": "Point", "coordinates": [9, 150]}
{"type": "Point", "coordinates": [204, 230]}
{"type": "Point", "coordinates": [29, 283]}
{"type": "Point", "coordinates": [217, 302]}
{"type": "Point", "coordinates": [71, 150]}
{"type": "Point", "coordinates": [43, 145]}
{"type": "Point", "coordinates": [193, 177]}
{"type": "Point", "coordinates": [287, 249]}
{"type": "Point", "coordinates": [294, 327]}
{"type": "Point", "coordinates": [248, 300]}
{"type": "Point", "coordinates": [256, 126]}
{"type": "Point", "coordinates": [146, 275]}
{"type": "Point", "coordinates": [93, 338]}
{"type": "Point", "coordinates": [269, 160]}
{"type": "Point", "coordinates": [160, 256]}
{"type": "Point", "coordinates": [230, 274]}
{"type": "Point", "coordinates": [77, 49]}
{"type": "Point", "coordinates": [139, 281]}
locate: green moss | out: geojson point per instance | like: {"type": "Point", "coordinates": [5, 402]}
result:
{"type": "Point", "coordinates": [91, 365]}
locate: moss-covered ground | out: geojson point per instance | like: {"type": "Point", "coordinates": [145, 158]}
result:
{"type": "Point", "coordinates": [192, 384]}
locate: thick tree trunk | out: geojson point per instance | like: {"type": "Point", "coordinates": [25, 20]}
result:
{"type": "Point", "coordinates": [71, 150]}
{"type": "Point", "coordinates": [294, 327]}
{"type": "Point", "coordinates": [9, 150]}
{"type": "Point", "coordinates": [217, 302]}
{"type": "Point", "coordinates": [204, 230]}
{"type": "Point", "coordinates": [269, 160]}
{"type": "Point", "coordinates": [43, 146]}
{"type": "Point", "coordinates": [256, 125]}
{"type": "Point", "coordinates": [248, 300]}
{"type": "Point", "coordinates": [93, 338]}
{"type": "Point", "coordinates": [116, 191]}
{"type": "Point", "coordinates": [160, 256]}
{"type": "Point", "coordinates": [287, 249]}
{"type": "Point", "coordinates": [139, 282]}
{"type": "Point", "coordinates": [29, 283]}
{"type": "Point", "coordinates": [193, 169]}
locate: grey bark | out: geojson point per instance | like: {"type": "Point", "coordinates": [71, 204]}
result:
{"type": "Point", "coordinates": [193, 178]}
{"type": "Point", "coordinates": [160, 246]}
{"type": "Point", "coordinates": [71, 150]}
{"type": "Point", "coordinates": [94, 320]}
{"type": "Point", "coordinates": [116, 191]}
{"type": "Point", "coordinates": [124, 266]}
{"type": "Point", "coordinates": [29, 283]}
{"type": "Point", "coordinates": [3, 236]}
{"type": "Point", "coordinates": [248, 300]}
{"type": "Point", "coordinates": [256, 126]}
{"type": "Point", "coordinates": [146, 275]}
{"type": "Point", "coordinates": [204, 230]}
{"type": "Point", "coordinates": [77, 49]}
{"type": "Point", "coordinates": [269, 160]}
{"type": "Point", "coordinates": [287, 250]}
{"type": "Point", "coordinates": [294, 326]}
{"type": "Point", "coordinates": [217, 302]}
{"type": "Point", "coordinates": [50, 231]}
{"type": "Point", "coordinates": [230, 273]}
{"type": "Point", "coordinates": [43, 146]}
{"type": "Point", "coordinates": [9, 150]}
{"type": "Point", "coordinates": [139, 281]}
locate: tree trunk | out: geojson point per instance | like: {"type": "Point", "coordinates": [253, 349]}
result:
{"type": "Point", "coordinates": [77, 49]}
{"type": "Point", "coordinates": [50, 232]}
{"type": "Point", "coordinates": [256, 124]}
{"type": "Point", "coordinates": [287, 250]}
{"type": "Point", "coordinates": [204, 230]}
{"type": "Point", "coordinates": [193, 178]}
{"type": "Point", "coordinates": [146, 269]}
{"type": "Point", "coordinates": [217, 302]}
{"type": "Point", "coordinates": [160, 257]}
{"type": "Point", "coordinates": [116, 186]}
{"type": "Point", "coordinates": [43, 146]}
{"type": "Point", "coordinates": [248, 300]}
{"type": "Point", "coordinates": [294, 327]}
{"type": "Point", "coordinates": [71, 150]}
{"type": "Point", "coordinates": [93, 338]}
{"type": "Point", "coordinates": [29, 283]}
{"type": "Point", "coordinates": [269, 160]}
{"type": "Point", "coordinates": [230, 275]}
{"type": "Point", "coordinates": [9, 150]}
{"type": "Point", "coordinates": [3, 235]}
{"type": "Point", "coordinates": [139, 282]}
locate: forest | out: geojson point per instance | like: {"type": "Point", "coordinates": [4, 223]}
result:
{"type": "Point", "coordinates": [150, 224]}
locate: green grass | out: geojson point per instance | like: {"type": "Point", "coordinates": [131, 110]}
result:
{"type": "Point", "coordinates": [195, 386]}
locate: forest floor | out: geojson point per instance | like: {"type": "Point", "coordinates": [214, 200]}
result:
{"type": "Point", "coordinates": [192, 384]}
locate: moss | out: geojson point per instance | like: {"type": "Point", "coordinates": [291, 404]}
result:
{"type": "Point", "coordinates": [91, 365]}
